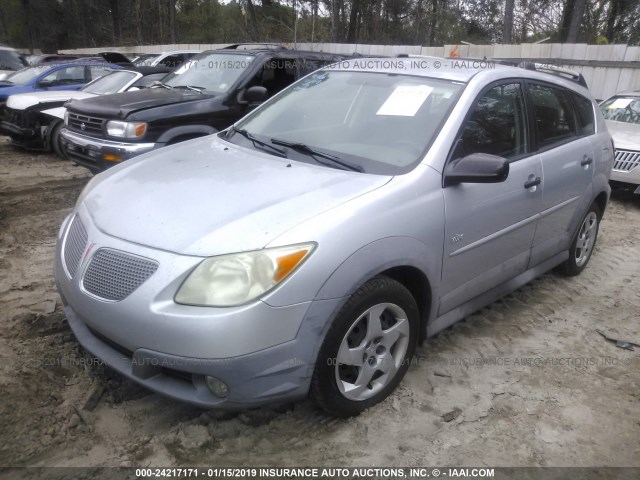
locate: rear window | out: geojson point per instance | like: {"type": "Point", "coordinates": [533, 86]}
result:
{"type": "Point", "coordinates": [584, 111]}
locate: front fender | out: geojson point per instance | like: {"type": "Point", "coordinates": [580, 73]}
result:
{"type": "Point", "coordinates": [388, 253]}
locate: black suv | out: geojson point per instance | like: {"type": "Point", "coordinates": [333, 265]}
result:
{"type": "Point", "coordinates": [205, 95]}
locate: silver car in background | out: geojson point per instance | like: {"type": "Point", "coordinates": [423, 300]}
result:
{"type": "Point", "coordinates": [311, 246]}
{"type": "Point", "coordinates": [622, 116]}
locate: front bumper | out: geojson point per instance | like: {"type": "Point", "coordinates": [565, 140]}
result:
{"type": "Point", "coordinates": [26, 137]}
{"type": "Point", "coordinates": [93, 153]}
{"type": "Point", "coordinates": [263, 354]}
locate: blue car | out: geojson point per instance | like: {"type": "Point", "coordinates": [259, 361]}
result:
{"type": "Point", "coordinates": [53, 76]}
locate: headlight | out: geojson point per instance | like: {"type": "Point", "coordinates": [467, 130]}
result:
{"type": "Point", "coordinates": [116, 128]}
{"type": "Point", "coordinates": [66, 117]}
{"type": "Point", "coordinates": [230, 280]}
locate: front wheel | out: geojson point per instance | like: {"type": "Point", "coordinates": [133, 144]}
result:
{"type": "Point", "coordinates": [583, 243]}
{"type": "Point", "coordinates": [55, 140]}
{"type": "Point", "coordinates": [367, 349]}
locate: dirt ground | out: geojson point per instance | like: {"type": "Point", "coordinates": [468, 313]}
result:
{"type": "Point", "coordinates": [525, 382]}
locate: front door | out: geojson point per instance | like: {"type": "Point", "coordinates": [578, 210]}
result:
{"type": "Point", "coordinates": [490, 227]}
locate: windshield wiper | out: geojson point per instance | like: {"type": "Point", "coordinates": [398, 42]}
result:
{"type": "Point", "coordinates": [190, 87]}
{"type": "Point", "coordinates": [158, 83]}
{"type": "Point", "coordinates": [255, 141]}
{"type": "Point", "coordinates": [301, 147]}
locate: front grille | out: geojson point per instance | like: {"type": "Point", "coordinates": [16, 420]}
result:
{"type": "Point", "coordinates": [114, 275]}
{"type": "Point", "coordinates": [74, 245]}
{"type": "Point", "coordinates": [83, 123]}
{"type": "Point", "coordinates": [626, 160]}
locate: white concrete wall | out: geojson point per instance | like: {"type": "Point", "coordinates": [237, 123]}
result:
{"type": "Point", "coordinates": [603, 81]}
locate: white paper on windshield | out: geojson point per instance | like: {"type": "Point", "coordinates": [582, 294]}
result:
{"type": "Point", "coordinates": [621, 103]}
{"type": "Point", "coordinates": [405, 100]}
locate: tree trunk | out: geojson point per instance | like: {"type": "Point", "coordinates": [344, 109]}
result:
{"type": "Point", "coordinates": [576, 20]}
{"type": "Point", "coordinates": [115, 18]}
{"type": "Point", "coordinates": [418, 22]}
{"type": "Point", "coordinates": [26, 12]}
{"type": "Point", "coordinates": [507, 32]}
{"type": "Point", "coordinates": [173, 31]}
{"type": "Point", "coordinates": [433, 23]}
{"type": "Point", "coordinates": [253, 22]}
{"type": "Point", "coordinates": [353, 21]}
{"type": "Point", "coordinates": [335, 21]}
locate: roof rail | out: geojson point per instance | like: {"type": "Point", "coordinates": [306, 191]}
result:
{"type": "Point", "coordinates": [236, 46]}
{"type": "Point", "coordinates": [553, 70]}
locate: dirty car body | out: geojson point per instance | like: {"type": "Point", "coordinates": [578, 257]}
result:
{"type": "Point", "coordinates": [312, 245]}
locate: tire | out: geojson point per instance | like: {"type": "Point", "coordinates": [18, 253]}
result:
{"type": "Point", "coordinates": [359, 365]}
{"type": "Point", "coordinates": [583, 243]}
{"type": "Point", "coordinates": [54, 140]}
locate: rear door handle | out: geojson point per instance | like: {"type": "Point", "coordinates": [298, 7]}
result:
{"type": "Point", "coordinates": [586, 161]}
{"type": "Point", "coordinates": [533, 182]}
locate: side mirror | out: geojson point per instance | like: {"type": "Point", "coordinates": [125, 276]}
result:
{"type": "Point", "coordinates": [256, 94]}
{"type": "Point", "coordinates": [45, 84]}
{"type": "Point", "coordinates": [476, 168]}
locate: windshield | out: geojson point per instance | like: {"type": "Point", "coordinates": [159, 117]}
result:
{"type": "Point", "coordinates": [213, 72]}
{"type": "Point", "coordinates": [12, 60]}
{"type": "Point", "coordinates": [622, 109]}
{"type": "Point", "coordinates": [110, 83]}
{"type": "Point", "coordinates": [379, 122]}
{"type": "Point", "coordinates": [26, 74]}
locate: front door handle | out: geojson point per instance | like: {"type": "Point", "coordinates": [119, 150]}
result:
{"type": "Point", "coordinates": [586, 160]}
{"type": "Point", "coordinates": [533, 182]}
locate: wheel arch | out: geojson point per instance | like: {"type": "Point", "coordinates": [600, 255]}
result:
{"type": "Point", "coordinates": [601, 200]}
{"type": "Point", "coordinates": [404, 259]}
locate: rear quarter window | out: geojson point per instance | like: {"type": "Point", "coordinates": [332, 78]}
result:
{"type": "Point", "coordinates": [584, 113]}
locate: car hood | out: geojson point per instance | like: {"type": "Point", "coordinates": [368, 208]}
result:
{"type": "Point", "coordinates": [625, 135]}
{"type": "Point", "coordinates": [120, 105]}
{"type": "Point", "coordinates": [209, 197]}
{"type": "Point", "coordinates": [23, 101]}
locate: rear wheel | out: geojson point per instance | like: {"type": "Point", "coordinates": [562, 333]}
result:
{"type": "Point", "coordinates": [583, 243]}
{"type": "Point", "coordinates": [367, 349]}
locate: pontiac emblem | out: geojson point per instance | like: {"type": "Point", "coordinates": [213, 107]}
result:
{"type": "Point", "coordinates": [83, 126]}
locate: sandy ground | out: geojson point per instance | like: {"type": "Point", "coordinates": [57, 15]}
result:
{"type": "Point", "coordinates": [525, 382]}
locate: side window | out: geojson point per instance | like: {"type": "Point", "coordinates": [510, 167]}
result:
{"type": "Point", "coordinates": [553, 115]}
{"type": "Point", "coordinates": [98, 71]}
{"type": "Point", "coordinates": [66, 76]}
{"type": "Point", "coordinates": [276, 75]}
{"type": "Point", "coordinates": [496, 125]}
{"type": "Point", "coordinates": [584, 110]}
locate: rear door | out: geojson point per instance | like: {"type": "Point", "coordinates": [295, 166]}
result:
{"type": "Point", "coordinates": [490, 226]}
{"type": "Point", "coordinates": [567, 162]}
